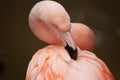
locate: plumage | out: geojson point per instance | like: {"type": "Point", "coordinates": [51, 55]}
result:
{"type": "Point", "coordinates": [54, 63]}
{"type": "Point", "coordinates": [68, 56]}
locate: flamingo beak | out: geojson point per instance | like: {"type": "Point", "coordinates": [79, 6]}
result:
{"type": "Point", "coordinates": [68, 40]}
{"type": "Point", "coordinates": [70, 45]}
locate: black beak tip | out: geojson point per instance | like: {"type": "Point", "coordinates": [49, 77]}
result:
{"type": "Point", "coordinates": [73, 53]}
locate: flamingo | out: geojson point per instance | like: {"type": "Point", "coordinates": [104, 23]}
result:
{"type": "Point", "coordinates": [69, 55]}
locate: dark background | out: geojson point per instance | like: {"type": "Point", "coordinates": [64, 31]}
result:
{"type": "Point", "coordinates": [18, 43]}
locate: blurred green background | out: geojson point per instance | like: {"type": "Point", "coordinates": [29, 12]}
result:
{"type": "Point", "coordinates": [18, 43]}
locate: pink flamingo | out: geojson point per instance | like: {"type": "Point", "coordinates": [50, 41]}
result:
{"type": "Point", "coordinates": [68, 56]}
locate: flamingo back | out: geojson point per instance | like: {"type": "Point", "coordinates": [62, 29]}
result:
{"type": "Point", "coordinates": [54, 63]}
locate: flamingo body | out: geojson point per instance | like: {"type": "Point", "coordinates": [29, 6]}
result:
{"type": "Point", "coordinates": [54, 63]}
